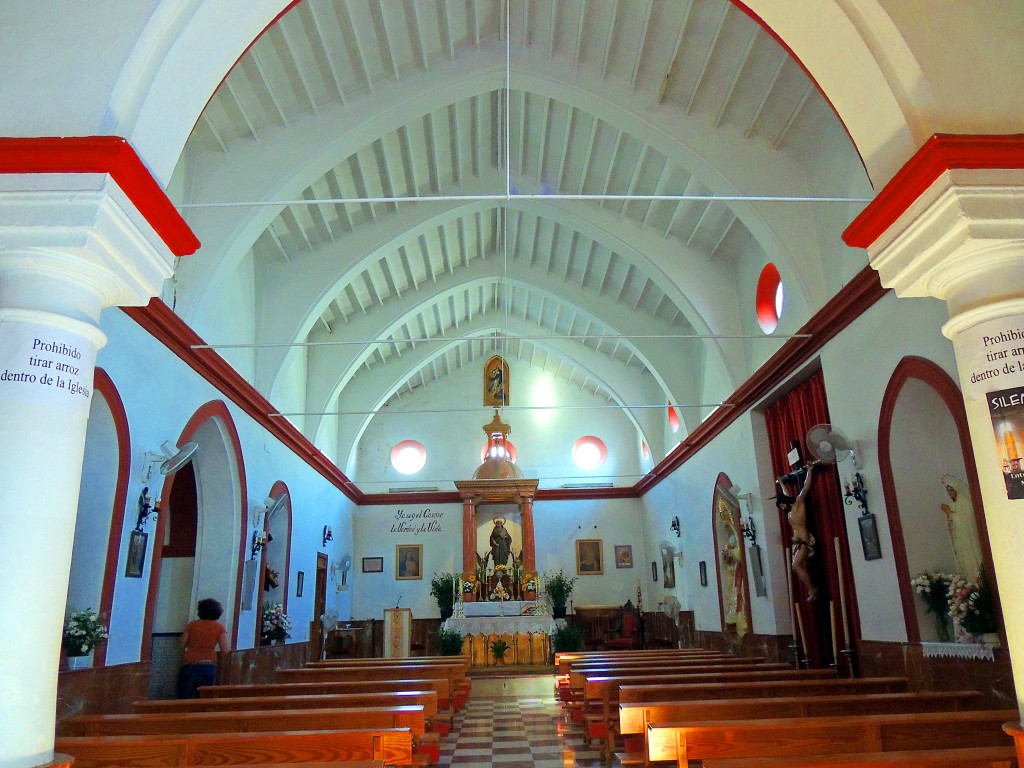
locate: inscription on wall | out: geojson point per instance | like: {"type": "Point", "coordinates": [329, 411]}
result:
{"type": "Point", "coordinates": [423, 521]}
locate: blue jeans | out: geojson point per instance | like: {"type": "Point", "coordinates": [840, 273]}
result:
{"type": "Point", "coordinates": [191, 676]}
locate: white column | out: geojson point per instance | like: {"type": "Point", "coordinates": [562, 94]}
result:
{"type": "Point", "coordinates": [963, 241]}
{"type": "Point", "coordinates": [70, 245]}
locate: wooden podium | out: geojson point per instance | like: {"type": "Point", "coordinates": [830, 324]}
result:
{"type": "Point", "coordinates": [397, 632]}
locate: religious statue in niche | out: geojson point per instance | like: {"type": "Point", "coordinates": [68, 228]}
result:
{"type": "Point", "coordinates": [962, 527]}
{"type": "Point", "coordinates": [734, 597]}
{"type": "Point", "coordinates": [496, 382]}
{"type": "Point", "coordinates": [501, 543]}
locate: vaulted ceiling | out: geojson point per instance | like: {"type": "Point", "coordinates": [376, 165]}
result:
{"type": "Point", "coordinates": [391, 191]}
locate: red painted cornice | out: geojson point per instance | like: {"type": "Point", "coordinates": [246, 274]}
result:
{"type": "Point", "coordinates": [941, 153]}
{"type": "Point", "coordinates": [170, 330]}
{"type": "Point", "coordinates": [111, 155]}
{"type": "Point", "coordinates": [847, 305]}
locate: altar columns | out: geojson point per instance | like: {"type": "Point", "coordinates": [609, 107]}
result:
{"type": "Point", "coordinates": [529, 542]}
{"type": "Point", "coordinates": [959, 236]}
{"type": "Point", "coordinates": [468, 536]}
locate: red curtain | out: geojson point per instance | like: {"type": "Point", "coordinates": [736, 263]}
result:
{"type": "Point", "coordinates": [788, 421]}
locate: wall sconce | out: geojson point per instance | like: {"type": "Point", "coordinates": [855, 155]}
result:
{"type": "Point", "coordinates": [675, 525]}
{"type": "Point", "coordinates": [328, 535]}
{"type": "Point", "coordinates": [259, 539]}
{"type": "Point", "coordinates": [749, 531]}
{"type": "Point", "coordinates": [146, 509]}
{"type": "Point", "coordinates": [855, 491]}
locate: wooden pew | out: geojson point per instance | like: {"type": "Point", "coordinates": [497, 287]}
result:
{"type": "Point", "coordinates": [439, 686]}
{"type": "Point", "coordinates": [454, 673]}
{"type": "Point", "coordinates": [564, 660]}
{"type": "Point", "coordinates": [635, 692]}
{"type": "Point", "coordinates": [578, 674]}
{"type": "Point", "coordinates": [601, 692]}
{"type": "Point", "coordinates": [635, 717]}
{"type": "Point", "coordinates": [390, 746]}
{"type": "Point", "coordinates": [964, 757]}
{"type": "Point", "coordinates": [778, 737]}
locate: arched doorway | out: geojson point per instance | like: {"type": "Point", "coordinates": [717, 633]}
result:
{"type": "Point", "coordinates": [213, 483]}
{"type": "Point", "coordinates": [923, 445]}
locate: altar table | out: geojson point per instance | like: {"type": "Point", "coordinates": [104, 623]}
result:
{"type": "Point", "coordinates": [528, 638]}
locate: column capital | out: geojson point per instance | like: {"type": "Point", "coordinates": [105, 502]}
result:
{"type": "Point", "coordinates": [81, 229]}
{"type": "Point", "coordinates": [962, 240]}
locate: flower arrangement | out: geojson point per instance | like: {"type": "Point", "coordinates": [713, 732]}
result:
{"type": "Point", "coordinates": [276, 624]}
{"type": "Point", "coordinates": [970, 605]}
{"type": "Point", "coordinates": [934, 590]}
{"type": "Point", "coordinates": [530, 585]}
{"type": "Point", "coordinates": [469, 585]}
{"type": "Point", "coordinates": [83, 631]}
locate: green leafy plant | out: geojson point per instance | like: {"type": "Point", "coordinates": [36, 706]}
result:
{"type": "Point", "coordinates": [559, 587]}
{"type": "Point", "coordinates": [443, 586]}
{"type": "Point", "coordinates": [83, 631]}
{"type": "Point", "coordinates": [449, 642]}
{"type": "Point", "coordinates": [498, 648]}
{"type": "Point", "coordinates": [566, 639]}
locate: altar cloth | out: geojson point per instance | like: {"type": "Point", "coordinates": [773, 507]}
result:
{"type": "Point", "coordinates": [502, 625]}
{"type": "Point", "coordinates": [500, 608]}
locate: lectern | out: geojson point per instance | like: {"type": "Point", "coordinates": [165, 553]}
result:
{"type": "Point", "coordinates": [397, 632]}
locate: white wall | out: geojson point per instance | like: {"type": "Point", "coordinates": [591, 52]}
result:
{"type": "Point", "coordinates": [160, 394]}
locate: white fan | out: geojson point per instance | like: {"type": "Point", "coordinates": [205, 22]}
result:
{"type": "Point", "coordinates": [828, 444]}
{"type": "Point", "coordinates": [274, 505]}
{"type": "Point", "coordinates": [171, 459]}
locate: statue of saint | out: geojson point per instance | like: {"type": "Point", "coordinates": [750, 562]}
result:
{"type": "Point", "coordinates": [962, 527]}
{"type": "Point", "coordinates": [731, 554]}
{"type": "Point", "coordinates": [501, 543]}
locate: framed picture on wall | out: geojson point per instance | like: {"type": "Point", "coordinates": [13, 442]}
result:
{"type": "Point", "coordinates": [373, 565]}
{"type": "Point", "coordinates": [654, 570]}
{"type": "Point", "coordinates": [408, 561]}
{"type": "Point", "coordinates": [623, 555]}
{"type": "Point", "coordinates": [300, 582]}
{"type": "Point", "coordinates": [668, 567]}
{"type": "Point", "coordinates": [136, 555]}
{"type": "Point", "coordinates": [869, 537]}
{"type": "Point", "coordinates": [703, 573]}
{"type": "Point", "coordinates": [588, 557]}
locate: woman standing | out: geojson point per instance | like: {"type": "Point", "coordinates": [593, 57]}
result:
{"type": "Point", "coordinates": [200, 642]}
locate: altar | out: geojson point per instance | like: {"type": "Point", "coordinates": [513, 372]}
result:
{"type": "Point", "coordinates": [500, 608]}
{"type": "Point", "coordinates": [528, 636]}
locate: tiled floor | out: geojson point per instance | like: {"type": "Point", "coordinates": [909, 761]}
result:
{"type": "Point", "coordinates": [515, 723]}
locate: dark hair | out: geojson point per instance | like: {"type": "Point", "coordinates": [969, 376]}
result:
{"type": "Point", "coordinates": [782, 500]}
{"type": "Point", "coordinates": [210, 609]}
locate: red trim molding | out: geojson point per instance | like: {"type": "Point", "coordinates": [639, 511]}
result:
{"type": "Point", "coordinates": [111, 155]}
{"type": "Point", "coordinates": [170, 330]}
{"type": "Point", "coordinates": [856, 297]}
{"type": "Point", "coordinates": [941, 153]}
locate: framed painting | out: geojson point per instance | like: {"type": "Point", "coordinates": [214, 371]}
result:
{"type": "Point", "coordinates": [668, 567]}
{"type": "Point", "coordinates": [623, 555]}
{"type": "Point", "coordinates": [703, 573]}
{"type": "Point", "coordinates": [588, 557]}
{"type": "Point", "coordinates": [373, 565]}
{"type": "Point", "coordinates": [496, 383]}
{"type": "Point", "coordinates": [654, 570]}
{"type": "Point", "coordinates": [136, 555]}
{"type": "Point", "coordinates": [869, 537]}
{"type": "Point", "coordinates": [300, 582]}
{"type": "Point", "coordinates": [408, 562]}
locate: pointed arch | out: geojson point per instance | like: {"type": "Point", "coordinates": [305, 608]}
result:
{"type": "Point", "coordinates": [930, 374]}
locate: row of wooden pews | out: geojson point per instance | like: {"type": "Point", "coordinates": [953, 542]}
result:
{"type": "Point", "coordinates": [694, 708]}
{"type": "Point", "coordinates": [352, 712]}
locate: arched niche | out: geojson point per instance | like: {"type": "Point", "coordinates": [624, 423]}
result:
{"type": "Point", "coordinates": [730, 559]}
{"type": "Point", "coordinates": [276, 553]}
{"type": "Point", "coordinates": [922, 435]}
{"type": "Point", "coordinates": [101, 506]}
{"type": "Point", "coordinates": [507, 495]}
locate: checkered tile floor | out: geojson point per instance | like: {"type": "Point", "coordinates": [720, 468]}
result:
{"type": "Point", "coordinates": [516, 731]}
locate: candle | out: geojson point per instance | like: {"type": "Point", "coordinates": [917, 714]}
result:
{"type": "Point", "coordinates": [842, 596]}
{"type": "Point", "coordinates": [832, 616]}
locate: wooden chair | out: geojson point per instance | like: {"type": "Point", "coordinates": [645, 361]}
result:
{"type": "Point", "coordinates": [626, 637]}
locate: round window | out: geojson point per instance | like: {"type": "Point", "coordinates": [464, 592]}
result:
{"type": "Point", "coordinates": [589, 452]}
{"type": "Point", "coordinates": [771, 296]}
{"type": "Point", "coordinates": [408, 457]}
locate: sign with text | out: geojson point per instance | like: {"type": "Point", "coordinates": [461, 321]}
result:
{"type": "Point", "coordinates": [415, 523]}
{"type": "Point", "coordinates": [991, 357]}
{"type": "Point", "coordinates": [45, 365]}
